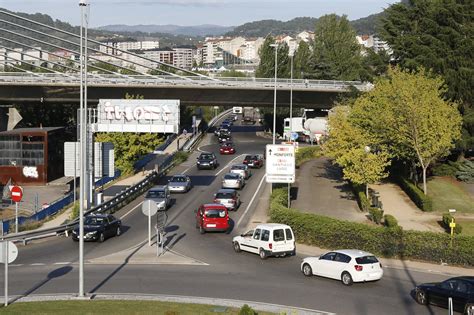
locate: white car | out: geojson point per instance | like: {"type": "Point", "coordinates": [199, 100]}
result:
{"type": "Point", "coordinates": [349, 265]}
{"type": "Point", "coordinates": [241, 169]}
{"type": "Point", "coordinates": [232, 180]}
{"type": "Point", "coordinates": [270, 239]}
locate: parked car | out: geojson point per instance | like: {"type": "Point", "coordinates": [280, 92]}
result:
{"type": "Point", "coordinates": [242, 170]}
{"type": "Point", "coordinates": [460, 289]}
{"type": "Point", "coordinates": [99, 227]}
{"type": "Point", "coordinates": [224, 138]}
{"type": "Point", "coordinates": [270, 239]}
{"type": "Point", "coordinates": [227, 148]}
{"type": "Point", "coordinates": [207, 160]}
{"type": "Point", "coordinates": [160, 195]}
{"type": "Point", "coordinates": [348, 266]}
{"type": "Point", "coordinates": [230, 198]}
{"type": "Point", "coordinates": [254, 161]}
{"type": "Point", "coordinates": [233, 181]}
{"type": "Point", "coordinates": [180, 183]}
{"type": "Point", "coordinates": [212, 217]}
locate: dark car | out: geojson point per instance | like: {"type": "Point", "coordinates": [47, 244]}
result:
{"type": "Point", "coordinates": [460, 289]}
{"type": "Point", "coordinates": [227, 148]}
{"type": "Point", "coordinates": [254, 161]}
{"type": "Point", "coordinates": [224, 138]}
{"type": "Point", "coordinates": [221, 130]}
{"type": "Point", "coordinates": [207, 160]}
{"type": "Point", "coordinates": [99, 227]}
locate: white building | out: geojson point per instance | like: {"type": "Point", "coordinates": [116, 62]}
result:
{"type": "Point", "coordinates": [305, 36]}
{"type": "Point", "coordinates": [372, 42]}
{"type": "Point", "coordinates": [138, 45]}
{"type": "Point", "coordinates": [16, 56]}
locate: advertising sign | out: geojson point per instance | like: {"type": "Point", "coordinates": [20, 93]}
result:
{"type": "Point", "coordinates": [280, 163]}
{"type": "Point", "coordinates": [131, 115]}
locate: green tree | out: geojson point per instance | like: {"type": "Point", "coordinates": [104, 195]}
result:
{"type": "Point", "coordinates": [266, 68]}
{"type": "Point", "coordinates": [374, 64]}
{"type": "Point", "coordinates": [352, 148]}
{"type": "Point", "coordinates": [302, 61]}
{"type": "Point", "coordinates": [336, 53]}
{"type": "Point", "coordinates": [232, 74]}
{"type": "Point", "coordinates": [437, 35]}
{"type": "Point", "coordinates": [407, 113]}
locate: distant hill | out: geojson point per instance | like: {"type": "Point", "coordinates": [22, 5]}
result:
{"type": "Point", "coordinates": [198, 30]}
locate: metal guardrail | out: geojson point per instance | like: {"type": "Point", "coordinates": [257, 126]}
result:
{"type": "Point", "coordinates": [111, 79]}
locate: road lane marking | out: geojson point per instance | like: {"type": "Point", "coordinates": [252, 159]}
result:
{"type": "Point", "coordinates": [228, 164]}
{"type": "Point", "coordinates": [63, 263]}
{"type": "Point", "coordinates": [126, 214]}
{"type": "Point", "coordinates": [251, 200]}
{"type": "Point", "coordinates": [38, 264]}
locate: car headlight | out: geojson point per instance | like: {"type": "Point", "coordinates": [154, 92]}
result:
{"type": "Point", "coordinates": [211, 162]}
{"type": "Point", "coordinates": [74, 232]}
{"type": "Point", "coordinates": [198, 162]}
{"type": "Point", "coordinates": [91, 233]}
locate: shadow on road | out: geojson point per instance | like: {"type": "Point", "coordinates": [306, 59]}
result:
{"type": "Point", "coordinates": [57, 273]}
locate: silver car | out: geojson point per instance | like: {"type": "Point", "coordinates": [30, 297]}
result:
{"type": "Point", "coordinates": [241, 169]}
{"type": "Point", "coordinates": [179, 183]}
{"type": "Point", "coordinates": [230, 198]}
{"type": "Point", "coordinates": [233, 180]}
{"type": "Point", "coordinates": [161, 195]}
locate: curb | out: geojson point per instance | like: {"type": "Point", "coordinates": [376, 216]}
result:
{"type": "Point", "coordinates": [259, 306]}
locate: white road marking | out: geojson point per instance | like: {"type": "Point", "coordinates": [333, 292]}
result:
{"type": "Point", "coordinates": [15, 265]}
{"type": "Point", "coordinates": [228, 164]}
{"type": "Point", "coordinates": [186, 170]}
{"type": "Point", "coordinates": [62, 263]}
{"type": "Point", "coordinates": [251, 201]}
{"type": "Point", "coordinates": [121, 218]}
{"type": "Point", "coordinates": [38, 264]}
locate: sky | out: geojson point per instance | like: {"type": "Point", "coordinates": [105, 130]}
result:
{"type": "Point", "coordinates": [194, 12]}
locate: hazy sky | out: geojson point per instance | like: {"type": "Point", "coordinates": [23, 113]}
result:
{"type": "Point", "coordinates": [194, 12]}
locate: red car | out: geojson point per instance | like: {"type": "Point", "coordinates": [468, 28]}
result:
{"type": "Point", "coordinates": [253, 161]}
{"type": "Point", "coordinates": [227, 148]}
{"type": "Point", "coordinates": [212, 217]}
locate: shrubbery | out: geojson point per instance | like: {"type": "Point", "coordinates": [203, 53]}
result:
{"type": "Point", "coordinates": [180, 157]}
{"type": "Point", "coordinates": [390, 221]}
{"type": "Point", "coordinates": [463, 170]}
{"type": "Point", "coordinates": [376, 214]}
{"type": "Point", "coordinates": [445, 169]}
{"type": "Point", "coordinates": [362, 201]}
{"type": "Point", "coordinates": [422, 201]}
{"type": "Point", "coordinates": [326, 232]}
{"type": "Point", "coordinates": [447, 218]}
{"type": "Point", "coordinates": [307, 153]}
{"type": "Point", "coordinates": [246, 310]}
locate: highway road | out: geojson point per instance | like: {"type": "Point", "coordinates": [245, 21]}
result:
{"type": "Point", "coordinates": [50, 266]}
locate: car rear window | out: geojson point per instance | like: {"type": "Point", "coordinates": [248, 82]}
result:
{"type": "Point", "coordinates": [366, 260]}
{"type": "Point", "coordinates": [178, 179]}
{"type": "Point", "coordinates": [278, 235]}
{"type": "Point", "coordinates": [288, 235]}
{"type": "Point", "coordinates": [224, 195]}
{"type": "Point", "coordinates": [215, 213]}
{"type": "Point", "coordinates": [238, 167]}
{"type": "Point", "coordinates": [231, 176]}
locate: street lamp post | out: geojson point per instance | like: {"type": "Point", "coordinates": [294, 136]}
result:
{"type": "Point", "coordinates": [291, 93]}
{"type": "Point", "coordinates": [275, 92]}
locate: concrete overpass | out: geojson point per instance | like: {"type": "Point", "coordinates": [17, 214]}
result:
{"type": "Point", "coordinates": [23, 88]}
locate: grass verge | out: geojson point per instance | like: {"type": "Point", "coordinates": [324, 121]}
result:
{"type": "Point", "coordinates": [467, 226]}
{"type": "Point", "coordinates": [447, 194]}
{"type": "Point", "coordinates": [116, 307]}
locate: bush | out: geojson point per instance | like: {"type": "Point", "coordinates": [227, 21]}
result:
{"type": "Point", "coordinates": [376, 214]}
{"type": "Point", "coordinates": [465, 171]}
{"type": "Point", "coordinates": [421, 200]}
{"type": "Point", "coordinates": [447, 218]}
{"type": "Point", "coordinates": [390, 221]}
{"type": "Point", "coordinates": [362, 201]}
{"type": "Point", "coordinates": [246, 310]}
{"type": "Point", "coordinates": [75, 211]}
{"type": "Point", "coordinates": [317, 230]}
{"type": "Point", "coordinates": [180, 157]}
{"type": "Point", "coordinates": [307, 153]}
{"type": "Point", "coordinates": [444, 170]}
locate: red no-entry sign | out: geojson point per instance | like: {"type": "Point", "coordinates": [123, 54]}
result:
{"type": "Point", "coordinates": [17, 193]}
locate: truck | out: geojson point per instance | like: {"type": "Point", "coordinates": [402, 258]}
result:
{"type": "Point", "coordinates": [248, 116]}
{"type": "Point", "coordinates": [237, 110]}
{"type": "Point", "coordinates": [309, 126]}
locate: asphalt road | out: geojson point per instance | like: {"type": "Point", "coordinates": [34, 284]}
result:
{"type": "Point", "coordinates": [50, 266]}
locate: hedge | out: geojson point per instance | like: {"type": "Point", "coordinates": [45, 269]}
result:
{"type": "Point", "coordinates": [416, 194]}
{"type": "Point", "coordinates": [317, 230]}
{"type": "Point", "coordinates": [307, 153]}
{"type": "Point", "coordinates": [390, 221]}
{"type": "Point", "coordinates": [376, 214]}
{"type": "Point", "coordinates": [362, 201]}
{"type": "Point", "coordinates": [447, 218]}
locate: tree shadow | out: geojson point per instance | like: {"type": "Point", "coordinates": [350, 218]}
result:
{"type": "Point", "coordinates": [57, 273]}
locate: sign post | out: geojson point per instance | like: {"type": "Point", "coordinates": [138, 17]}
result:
{"type": "Point", "coordinates": [149, 208]}
{"type": "Point", "coordinates": [8, 254]}
{"type": "Point", "coordinates": [17, 194]}
{"type": "Point", "coordinates": [161, 220]}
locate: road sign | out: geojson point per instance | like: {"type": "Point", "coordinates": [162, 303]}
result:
{"type": "Point", "coordinates": [12, 251]}
{"type": "Point", "coordinates": [17, 193]}
{"type": "Point", "coordinates": [294, 136]}
{"type": "Point", "coordinates": [149, 208]}
{"type": "Point", "coordinates": [280, 164]}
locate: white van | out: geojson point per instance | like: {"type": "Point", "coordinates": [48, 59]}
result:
{"type": "Point", "coordinates": [270, 239]}
{"type": "Point", "coordinates": [237, 110]}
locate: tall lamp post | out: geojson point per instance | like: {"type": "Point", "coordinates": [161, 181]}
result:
{"type": "Point", "coordinates": [291, 91]}
{"type": "Point", "coordinates": [275, 92]}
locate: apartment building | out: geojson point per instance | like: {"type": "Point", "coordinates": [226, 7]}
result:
{"type": "Point", "coordinates": [17, 56]}
{"type": "Point", "coordinates": [373, 42]}
{"type": "Point", "coordinates": [136, 45]}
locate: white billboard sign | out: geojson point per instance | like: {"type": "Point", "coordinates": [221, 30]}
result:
{"type": "Point", "coordinates": [131, 115]}
{"type": "Point", "coordinates": [280, 163]}
{"type": "Point", "coordinates": [103, 159]}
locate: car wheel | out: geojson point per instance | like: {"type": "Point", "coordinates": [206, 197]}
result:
{"type": "Point", "coordinates": [421, 297]}
{"type": "Point", "coordinates": [469, 309]}
{"type": "Point", "coordinates": [307, 271]}
{"type": "Point", "coordinates": [346, 278]}
{"type": "Point", "coordinates": [118, 232]}
{"type": "Point", "coordinates": [237, 247]}
{"type": "Point", "coordinates": [101, 237]}
{"type": "Point", "coordinates": [263, 254]}
{"type": "Point", "coordinates": [201, 230]}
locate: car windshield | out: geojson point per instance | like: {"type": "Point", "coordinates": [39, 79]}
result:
{"type": "Point", "coordinates": [206, 156]}
{"type": "Point", "coordinates": [215, 213]}
{"type": "Point", "coordinates": [178, 179]}
{"type": "Point", "coordinates": [238, 167]}
{"type": "Point", "coordinates": [94, 221]}
{"type": "Point", "coordinates": [224, 195]}
{"type": "Point", "coordinates": [231, 176]}
{"type": "Point", "coordinates": [366, 260]}
{"type": "Point", "coordinates": [155, 194]}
